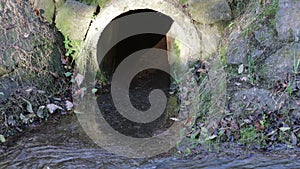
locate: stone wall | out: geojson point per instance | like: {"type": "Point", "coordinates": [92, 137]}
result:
{"type": "Point", "coordinates": [73, 18]}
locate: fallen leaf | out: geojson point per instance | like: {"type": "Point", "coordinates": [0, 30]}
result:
{"type": "Point", "coordinates": [41, 91]}
{"type": "Point", "coordinates": [271, 133]}
{"type": "Point", "coordinates": [2, 138]}
{"type": "Point", "coordinates": [1, 94]}
{"type": "Point", "coordinates": [247, 121]}
{"type": "Point", "coordinates": [29, 90]}
{"type": "Point", "coordinates": [174, 119]}
{"type": "Point", "coordinates": [40, 112]}
{"type": "Point", "coordinates": [94, 90]}
{"type": "Point", "coordinates": [244, 79]}
{"type": "Point", "coordinates": [237, 84]}
{"type": "Point", "coordinates": [241, 69]}
{"type": "Point", "coordinates": [69, 105]}
{"type": "Point", "coordinates": [26, 35]}
{"type": "Point", "coordinates": [211, 137]}
{"type": "Point", "coordinates": [53, 107]}
{"type": "Point", "coordinates": [29, 106]}
{"type": "Point", "coordinates": [68, 74]}
{"type": "Point", "coordinates": [283, 129]}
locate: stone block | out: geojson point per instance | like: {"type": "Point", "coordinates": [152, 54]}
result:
{"type": "Point", "coordinates": [73, 19]}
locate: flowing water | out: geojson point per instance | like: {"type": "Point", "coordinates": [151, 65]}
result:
{"type": "Point", "coordinates": [63, 144]}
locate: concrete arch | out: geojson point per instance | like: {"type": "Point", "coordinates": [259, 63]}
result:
{"type": "Point", "coordinates": [182, 30]}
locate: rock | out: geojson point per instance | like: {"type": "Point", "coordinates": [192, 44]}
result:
{"type": "Point", "coordinates": [209, 11]}
{"type": "Point", "coordinates": [238, 48]}
{"type": "Point", "coordinates": [253, 99]}
{"type": "Point", "coordinates": [74, 18]}
{"type": "Point", "coordinates": [288, 20]}
{"type": "Point", "coordinates": [48, 7]}
{"type": "Point", "coordinates": [281, 63]}
{"type": "Point", "coordinates": [27, 46]}
{"type": "Point", "coordinates": [210, 39]}
{"type": "Point", "coordinates": [264, 36]}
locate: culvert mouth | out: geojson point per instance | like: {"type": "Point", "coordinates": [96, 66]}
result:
{"type": "Point", "coordinates": [154, 27]}
{"type": "Point", "coordinates": [141, 58]}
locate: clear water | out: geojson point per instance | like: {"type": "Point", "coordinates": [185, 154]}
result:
{"type": "Point", "coordinates": [65, 145]}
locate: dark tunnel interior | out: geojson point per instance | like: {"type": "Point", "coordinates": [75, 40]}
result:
{"type": "Point", "coordinates": [143, 82]}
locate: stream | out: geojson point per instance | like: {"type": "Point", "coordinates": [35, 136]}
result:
{"type": "Point", "coordinates": [62, 143]}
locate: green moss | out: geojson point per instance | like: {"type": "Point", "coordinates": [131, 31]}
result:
{"type": "Point", "coordinates": [101, 3]}
{"type": "Point", "coordinates": [223, 54]}
{"type": "Point", "coordinates": [249, 136]}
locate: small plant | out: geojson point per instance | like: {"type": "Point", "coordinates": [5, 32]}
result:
{"type": "Point", "coordinates": [72, 48]}
{"type": "Point", "coordinates": [183, 2]}
{"type": "Point", "coordinates": [250, 69]}
{"type": "Point", "coordinates": [223, 54]}
{"type": "Point", "coordinates": [296, 63]}
{"type": "Point", "coordinates": [292, 82]}
{"type": "Point", "coordinates": [250, 136]}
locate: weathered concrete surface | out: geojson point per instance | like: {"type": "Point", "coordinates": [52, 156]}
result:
{"type": "Point", "coordinates": [209, 11]}
{"type": "Point", "coordinates": [73, 19]}
{"type": "Point", "coordinates": [188, 36]}
{"type": "Point", "coordinates": [288, 20]}
{"type": "Point", "coordinates": [210, 39]}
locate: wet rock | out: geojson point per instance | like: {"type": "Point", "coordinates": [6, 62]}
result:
{"type": "Point", "coordinates": [209, 11]}
{"type": "Point", "coordinates": [288, 20]}
{"type": "Point", "coordinates": [74, 18]}
{"type": "Point", "coordinates": [281, 64]}
{"type": "Point", "coordinates": [252, 100]}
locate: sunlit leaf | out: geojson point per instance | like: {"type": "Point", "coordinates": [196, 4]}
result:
{"type": "Point", "coordinates": [241, 69]}
{"type": "Point", "coordinates": [211, 137]}
{"type": "Point", "coordinates": [29, 106]}
{"type": "Point", "coordinates": [40, 113]}
{"type": "Point", "coordinates": [2, 138]}
{"type": "Point", "coordinates": [94, 90]}
{"type": "Point", "coordinates": [69, 105]}
{"type": "Point", "coordinates": [68, 74]}
{"type": "Point", "coordinates": [1, 94]}
{"type": "Point", "coordinates": [283, 129]}
{"type": "Point", "coordinates": [53, 107]}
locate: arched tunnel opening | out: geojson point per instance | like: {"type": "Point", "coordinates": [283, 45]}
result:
{"type": "Point", "coordinates": [144, 81]}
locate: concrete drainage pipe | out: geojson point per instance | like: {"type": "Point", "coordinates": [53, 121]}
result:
{"type": "Point", "coordinates": [129, 36]}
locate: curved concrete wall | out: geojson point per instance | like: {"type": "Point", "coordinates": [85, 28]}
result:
{"type": "Point", "coordinates": [182, 30]}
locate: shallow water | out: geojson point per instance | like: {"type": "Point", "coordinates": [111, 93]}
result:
{"type": "Point", "coordinates": [63, 144]}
